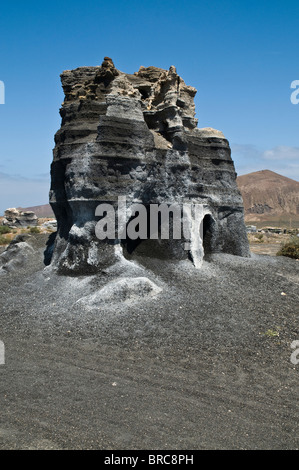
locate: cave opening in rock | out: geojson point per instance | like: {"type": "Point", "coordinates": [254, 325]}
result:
{"type": "Point", "coordinates": [145, 92]}
{"type": "Point", "coordinates": [208, 232]}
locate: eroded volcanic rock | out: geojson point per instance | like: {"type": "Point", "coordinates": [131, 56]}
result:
{"type": "Point", "coordinates": [18, 218]}
{"type": "Point", "coordinates": [136, 136]}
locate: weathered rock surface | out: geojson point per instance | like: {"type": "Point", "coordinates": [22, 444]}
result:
{"type": "Point", "coordinates": [17, 218]}
{"type": "Point", "coordinates": [136, 136]}
{"type": "Point", "coordinates": [16, 254]}
{"type": "Point", "coordinates": [50, 224]}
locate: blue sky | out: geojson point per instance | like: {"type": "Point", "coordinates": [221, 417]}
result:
{"type": "Point", "coordinates": [241, 56]}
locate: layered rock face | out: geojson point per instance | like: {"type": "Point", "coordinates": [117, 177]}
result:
{"type": "Point", "coordinates": [17, 218]}
{"type": "Point", "coordinates": [136, 137]}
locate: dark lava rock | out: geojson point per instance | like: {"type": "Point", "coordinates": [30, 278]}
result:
{"type": "Point", "coordinates": [136, 136]}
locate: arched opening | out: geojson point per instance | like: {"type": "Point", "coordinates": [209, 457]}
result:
{"type": "Point", "coordinates": [207, 233]}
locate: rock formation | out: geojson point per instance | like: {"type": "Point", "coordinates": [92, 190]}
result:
{"type": "Point", "coordinates": [17, 218]}
{"type": "Point", "coordinates": [16, 254]}
{"type": "Point", "coordinates": [136, 136]}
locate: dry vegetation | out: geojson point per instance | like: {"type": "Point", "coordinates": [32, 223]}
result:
{"type": "Point", "coordinates": [290, 248]}
{"type": "Point", "coordinates": [274, 244]}
{"type": "Point", "coordinates": [7, 234]}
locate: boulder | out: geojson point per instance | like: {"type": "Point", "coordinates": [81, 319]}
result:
{"type": "Point", "coordinates": [50, 224]}
{"type": "Point", "coordinates": [16, 255]}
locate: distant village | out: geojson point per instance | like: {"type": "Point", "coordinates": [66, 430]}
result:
{"type": "Point", "coordinates": [277, 230]}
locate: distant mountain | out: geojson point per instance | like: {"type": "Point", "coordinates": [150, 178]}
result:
{"type": "Point", "coordinates": [42, 211]}
{"type": "Point", "coordinates": [269, 196]}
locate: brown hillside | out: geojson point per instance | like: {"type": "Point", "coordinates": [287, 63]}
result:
{"type": "Point", "coordinates": [44, 210]}
{"type": "Point", "coordinates": [269, 196]}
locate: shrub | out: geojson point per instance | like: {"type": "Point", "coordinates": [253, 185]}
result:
{"type": "Point", "coordinates": [272, 333]}
{"type": "Point", "coordinates": [34, 230]}
{"type": "Point", "coordinates": [3, 240]}
{"type": "Point", "coordinates": [4, 229]}
{"type": "Point", "coordinates": [260, 237]}
{"type": "Point", "coordinates": [290, 248]}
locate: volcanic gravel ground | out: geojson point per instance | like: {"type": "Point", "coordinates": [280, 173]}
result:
{"type": "Point", "coordinates": [204, 364]}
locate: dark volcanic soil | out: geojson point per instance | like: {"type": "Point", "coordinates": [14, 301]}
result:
{"type": "Point", "coordinates": [205, 364]}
